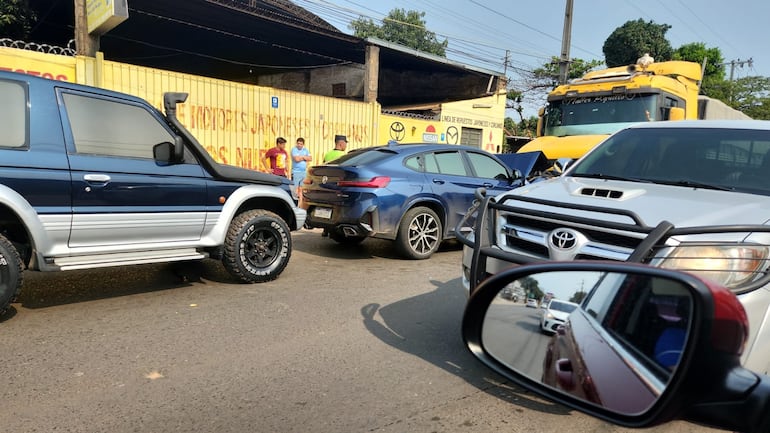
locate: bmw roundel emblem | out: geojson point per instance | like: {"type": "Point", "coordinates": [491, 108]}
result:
{"type": "Point", "coordinates": [324, 179]}
{"type": "Point", "coordinates": [563, 239]}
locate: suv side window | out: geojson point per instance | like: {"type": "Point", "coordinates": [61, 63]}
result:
{"type": "Point", "coordinates": [13, 115]}
{"type": "Point", "coordinates": [103, 127]}
{"type": "Point", "coordinates": [445, 163]}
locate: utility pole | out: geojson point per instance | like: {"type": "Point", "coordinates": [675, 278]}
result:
{"type": "Point", "coordinates": [733, 64]}
{"type": "Point", "coordinates": [85, 43]}
{"type": "Point", "coordinates": [565, 43]}
{"type": "Point", "coordinates": [505, 62]}
{"type": "Point", "coordinates": [739, 62]}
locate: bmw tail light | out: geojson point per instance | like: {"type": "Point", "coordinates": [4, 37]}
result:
{"type": "Point", "coordinates": [375, 182]}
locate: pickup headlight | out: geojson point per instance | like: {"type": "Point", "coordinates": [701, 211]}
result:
{"type": "Point", "coordinates": [729, 265]}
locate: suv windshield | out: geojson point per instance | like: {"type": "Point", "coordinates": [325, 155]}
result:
{"type": "Point", "coordinates": [716, 158]}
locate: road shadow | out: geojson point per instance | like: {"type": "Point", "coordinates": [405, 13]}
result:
{"type": "Point", "coordinates": [312, 242]}
{"type": "Point", "coordinates": [47, 289]}
{"type": "Point", "coordinates": [428, 326]}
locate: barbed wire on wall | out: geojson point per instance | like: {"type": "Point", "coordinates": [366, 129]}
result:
{"type": "Point", "coordinates": [69, 50]}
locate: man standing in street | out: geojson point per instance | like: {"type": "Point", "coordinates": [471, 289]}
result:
{"type": "Point", "coordinates": [276, 158]}
{"type": "Point", "coordinates": [299, 158]}
{"type": "Point", "coordinates": [340, 144]}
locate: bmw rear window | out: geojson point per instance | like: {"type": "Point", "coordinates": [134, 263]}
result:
{"type": "Point", "coordinates": [364, 157]}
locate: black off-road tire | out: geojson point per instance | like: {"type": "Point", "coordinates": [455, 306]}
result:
{"type": "Point", "coordinates": [346, 240]}
{"type": "Point", "coordinates": [257, 247]}
{"type": "Point", "coordinates": [11, 274]}
{"type": "Point", "coordinates": [419, 234]}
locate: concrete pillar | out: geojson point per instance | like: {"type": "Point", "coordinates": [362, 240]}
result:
{"type": "Point", "coordinates": [371, 73]}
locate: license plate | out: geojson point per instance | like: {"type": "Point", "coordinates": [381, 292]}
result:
{"type": "Point", "coordinates": [322, 212]}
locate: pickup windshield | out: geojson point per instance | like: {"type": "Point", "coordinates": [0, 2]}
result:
{"type": "Point", "coordinates": [714, 158]}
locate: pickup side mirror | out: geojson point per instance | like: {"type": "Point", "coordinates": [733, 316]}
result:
{"type": "Point", "coordinates": [631, 344]}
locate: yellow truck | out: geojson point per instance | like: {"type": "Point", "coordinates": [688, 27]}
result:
{"type": "Point", "coordinates": [583, 112]}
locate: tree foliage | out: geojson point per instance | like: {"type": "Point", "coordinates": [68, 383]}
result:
{"type": "Point", "coordinates": [548, 75]}
{"type": "Point", "coordinates": [750, 95]}
{"type": "Point", "coordinates": [16, 19]}
{"type": "Point", "coordinates": [402, 27]}
{"type": "Point", "coordinates": [714, 72]}
{"type": "Point", "coordinates": [531, 287]}
{"type": "Point", "coordinates": [635, 38]}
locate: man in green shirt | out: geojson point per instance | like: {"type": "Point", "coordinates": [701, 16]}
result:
{"type": "Point", "coordinates": [340, 144]}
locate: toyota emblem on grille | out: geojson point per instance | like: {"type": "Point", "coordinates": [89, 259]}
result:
{"type": "Point", "coordinates": [563, 239]}
{"type": "Point", "coordinates": [324, 179]}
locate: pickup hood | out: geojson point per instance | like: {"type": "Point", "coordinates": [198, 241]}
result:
{"type": "Point", "coordinates": [653, 203]}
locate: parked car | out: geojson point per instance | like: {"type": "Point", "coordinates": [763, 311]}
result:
{"type": "Point", "coordinates": [531, 303]}
{"type": "Point", "coordinates": [555, 313]}
{"type": "Point", "coordinates": [646, 346]}
{"type": "Point", "coordinates": [412, 194]}
{"type": "Point", "coordinates": [512, 293]}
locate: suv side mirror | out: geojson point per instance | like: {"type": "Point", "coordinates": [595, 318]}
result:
{"type": "Point", "coordinates": [167, 153]}
{"type": "Point", "coordinates": [644, 346]}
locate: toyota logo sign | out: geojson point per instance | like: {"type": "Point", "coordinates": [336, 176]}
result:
{"type": "Point", "coordinates": [563, 239]}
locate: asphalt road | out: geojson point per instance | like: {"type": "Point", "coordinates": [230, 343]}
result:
{"type": "Point", "coordinates": [348, 339]}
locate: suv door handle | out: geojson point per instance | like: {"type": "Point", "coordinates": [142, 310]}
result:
{"type": "Point", "coordinates": [96, 178]}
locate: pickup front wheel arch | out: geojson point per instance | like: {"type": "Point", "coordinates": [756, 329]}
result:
{"type": "Point", "coordinates": [257, 247]}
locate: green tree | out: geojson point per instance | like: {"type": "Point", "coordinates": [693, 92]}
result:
{"type": "Point", "coordinates": [402, 27]}
{"type": "Point", "coordinates": [635, 38]}
{"type": "Point", "coordinates": [714, 72]}
{"type": "Point", "coordinates": [531, 287]}
{"type": "Point", "coordinates": [548, 75]}
{"type": "Point", "coordinates": [16, 19]}
{"type": "Point", "coordinates": [750, 95]}
{"type": "Point", "coordinates": [578, 297]}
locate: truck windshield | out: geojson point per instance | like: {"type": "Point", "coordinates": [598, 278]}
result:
{"type": "Point", "coordinates": [598, 114]}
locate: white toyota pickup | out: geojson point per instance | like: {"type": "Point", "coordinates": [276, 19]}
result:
{"type": "Point", "coordinates": [686, 195]}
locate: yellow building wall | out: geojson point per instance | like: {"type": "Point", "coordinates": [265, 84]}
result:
{"type": "Point", "coordinates": [237, 123]}
{"type": "Point", "coordinates": [484, 116]}
{"type": "Point", "coordinates": [52, 66]}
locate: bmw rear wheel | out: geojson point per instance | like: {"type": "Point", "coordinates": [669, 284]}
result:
{"type": "Point", "coordinates": [419, 234]}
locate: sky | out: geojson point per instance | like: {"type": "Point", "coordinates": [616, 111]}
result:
{"type": "Point", "coordinates": [481, 32]}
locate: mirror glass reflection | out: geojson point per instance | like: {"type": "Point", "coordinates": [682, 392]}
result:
{"type": "Point", "coordinates": [612, 339]}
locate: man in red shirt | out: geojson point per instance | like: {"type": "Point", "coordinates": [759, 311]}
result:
{"type": "Point", "coordinates": [276, 158]}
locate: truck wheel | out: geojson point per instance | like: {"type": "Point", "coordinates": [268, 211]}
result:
{"type": "Point", "coordinates": [11, 275]}
{"type": "Point", "coordinates": [419, 234]}
{"type": "Point", "coordinates": [257, 246]}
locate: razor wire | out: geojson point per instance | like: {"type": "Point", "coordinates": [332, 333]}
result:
{"type": "Point", "coordinates": [69, 50]}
